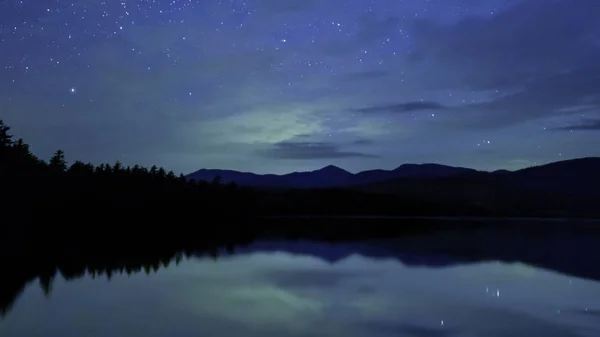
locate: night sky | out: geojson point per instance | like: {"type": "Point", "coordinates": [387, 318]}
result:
{"type": "Point", "coordinates": [286, 85]}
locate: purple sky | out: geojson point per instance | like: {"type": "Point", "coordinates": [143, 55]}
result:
{"type": "Point", "coordinates": [279, 86]}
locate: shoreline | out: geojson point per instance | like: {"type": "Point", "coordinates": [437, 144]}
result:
{"type": "Point", "coordinates": [439, 218]}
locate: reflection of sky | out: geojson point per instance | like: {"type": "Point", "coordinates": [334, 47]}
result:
{"type": "Point", "coordinates": [277, 294]}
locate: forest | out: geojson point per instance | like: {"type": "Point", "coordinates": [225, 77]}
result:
{"type": "Point", "coordinates": [51, 206]}
{"type": "Point", "coordinates": [83, 187]}
{"type": "Point", "coordinates": [84, 193]}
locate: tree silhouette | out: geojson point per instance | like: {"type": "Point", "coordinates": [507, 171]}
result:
{"type": "Point", "coordinates": [171, 176]}
{"type": "Point", "coordinates": [58, 162]}
{"type": "Point", "coordinates": [118, 166]}
{"type": "Point", "coordinates": [5, 137]}
{"type": "Point", "coordinates": [21, 147]}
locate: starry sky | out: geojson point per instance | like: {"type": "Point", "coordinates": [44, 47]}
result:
{"type": "Point", "coordinates": [279, 86]}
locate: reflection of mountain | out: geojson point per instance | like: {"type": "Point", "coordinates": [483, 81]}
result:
{"type": "Point", "coordinates": [334, 253]}
{"type": "Point", "coordinates": [569, 248]}
{"type": "Point", "coordinates": [568, 253]}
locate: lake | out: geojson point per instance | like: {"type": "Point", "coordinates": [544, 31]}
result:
{"type": "Point", "coordinates": [315, 289]}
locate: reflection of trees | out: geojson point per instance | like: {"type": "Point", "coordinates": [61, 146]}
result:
{"type": "Point", "coordinates": [15, 276]}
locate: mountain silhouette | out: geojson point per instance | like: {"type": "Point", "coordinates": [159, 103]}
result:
{"type": "Point", "coordinates": [572, 185]}
{"type": "Point", "coordinates": [408, 171]}
{"type": "Point", "coordinates": [575, 177]}
{"type": "Point", "coordinates": [578, 177]}
{"type": "Point", "coordinates": [329, 176]}
{"type": "Point", "coordinates": [560, 189]}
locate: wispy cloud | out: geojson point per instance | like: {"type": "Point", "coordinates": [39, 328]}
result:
{"type": "Point", "coordinates": [585, 125]}
{"type": "Point", "coordinates": [310, 150]}
{"type": "Point", "coordinates": [403, 107]}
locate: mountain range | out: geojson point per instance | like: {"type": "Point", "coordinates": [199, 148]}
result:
{"type": "Point", "coordinates": [561, 189]}
{"type": "Point", "coordinates": [576, 176]}
{"type": "Point", "coordinates": [329, 176]}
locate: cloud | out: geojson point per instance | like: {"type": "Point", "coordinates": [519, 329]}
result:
{"type": "Point", "coordinates": [402, 107]}
{"type": "Point", "coordinates": [309, 150]}
{"type": "Point", "coordinates": [547, 97]}
{"type": "Point", "coordinates": [580, 108]}
{"type": "Point", "coordinates": [265, 125]}
{"type": "Point", "coordinates": [250, 90]}
{"type": "Point", "coordinates": [585, 125]}
{"type": "Point", "coordinates": [533, 67]}
{"type": "Point", "coordinates": [510, 48]}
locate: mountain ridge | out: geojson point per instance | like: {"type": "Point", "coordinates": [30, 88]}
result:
{"type": "Point", "coordinates": [333, 176]}
{"type": "Point", "coordinates": [328, 176]}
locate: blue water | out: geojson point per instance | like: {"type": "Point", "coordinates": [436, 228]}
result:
{"type": "Point", "coordinates": [275, 293]}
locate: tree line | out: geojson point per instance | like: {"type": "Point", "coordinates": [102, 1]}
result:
{"type": "Point", "coordinates": [32, 184]}
{"type": "Point", "coordinates": [67, 210]}
{"type": "Point", "coordinates": [135, 192]}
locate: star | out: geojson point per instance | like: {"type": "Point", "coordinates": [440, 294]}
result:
{"type": "Point", "coordinates": [387, 79]}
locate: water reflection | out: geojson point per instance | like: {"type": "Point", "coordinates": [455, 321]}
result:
{"type": "Point", "coordinates": [282, 290]}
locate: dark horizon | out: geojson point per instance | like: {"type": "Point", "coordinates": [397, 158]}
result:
{"type": "Point", "coordinates": [396, 167]}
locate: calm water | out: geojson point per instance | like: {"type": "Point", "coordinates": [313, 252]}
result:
{"type": "Point", "coordinates": [269, 292]}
